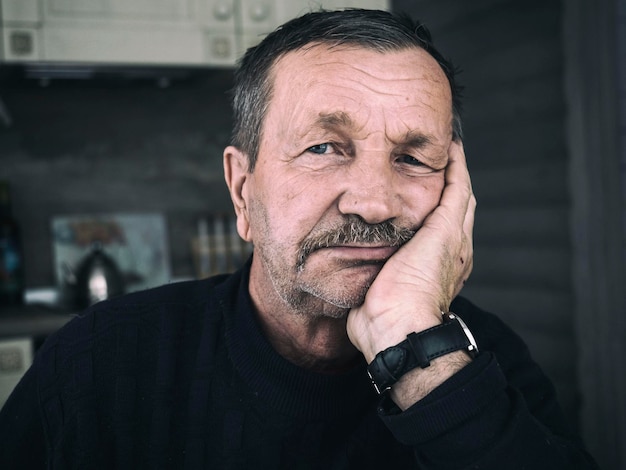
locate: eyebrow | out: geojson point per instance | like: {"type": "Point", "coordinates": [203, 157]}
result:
{"type": "Point", "coordinates": [415, 139]}
{"type": "Point", "coordinates": [331, 121]}
{"type": "Point", "coordinates": [337, 120]}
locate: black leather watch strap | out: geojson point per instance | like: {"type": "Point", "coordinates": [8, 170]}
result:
{"type": "Point", "coordinates": [419, 349]}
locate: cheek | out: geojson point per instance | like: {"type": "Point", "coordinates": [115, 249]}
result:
{"type": "Point", "coordinates": [435, 188]}
{"type": "Point", "coordinates": [427, 194]}
{"type": "Point", "coordinates": [305, 198]}
{"type": "Point", "coordinates": [283, 218]}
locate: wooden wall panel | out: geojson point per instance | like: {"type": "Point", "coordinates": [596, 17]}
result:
{"type": "Point", "coordinates": [512, 103]}
{"type": "Point", "coordinates": [524, 226]}
{"type": "Point", "coordinates": [621, 63]}
{"type": "Point", "coordinates": [516, 144]}
{"type": "Point", "coordinates": [515, 265]}
{"type": "Point", "coordinates": [546, 310]}
{"type": "Point", "coordinates": [593, 66]}
{"type": "Point", "coordinates": [521, 184]}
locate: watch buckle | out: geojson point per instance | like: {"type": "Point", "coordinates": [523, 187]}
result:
{"type": "Point", "coordinates": [376, 387]}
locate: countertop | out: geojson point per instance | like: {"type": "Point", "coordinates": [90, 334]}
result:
{"type": "Point", "coordinates": [35, 321]}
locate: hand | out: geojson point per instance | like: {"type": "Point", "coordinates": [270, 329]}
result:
{"type": "Point", "coordinates": [420, 280]}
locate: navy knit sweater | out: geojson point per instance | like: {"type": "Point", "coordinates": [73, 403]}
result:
{"type": "Point", "coordinates": [182, 377]}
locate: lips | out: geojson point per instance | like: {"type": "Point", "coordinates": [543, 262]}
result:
{"type": "Point", "coordinates": [356, 240]}
{"type": "Point", "coordinates": [361, 252]}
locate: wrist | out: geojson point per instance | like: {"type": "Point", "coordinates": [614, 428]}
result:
{"type": "Point", "coordinates": [419, 349]}
{"type": "Point", "coordinates": [417, 383]}
{"type": "Point", "coordinates": [372, 334]}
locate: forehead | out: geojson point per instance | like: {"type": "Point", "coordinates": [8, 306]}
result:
{"type": "Point", "coordinates": [407, 86]}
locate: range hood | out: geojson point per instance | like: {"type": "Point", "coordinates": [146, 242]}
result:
{"type": "Point", "coordinates": [77, 35]}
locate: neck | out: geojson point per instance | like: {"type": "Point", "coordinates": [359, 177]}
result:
{"type": "Point", "coordinates": [313, 336]}
{"type": "Point", "coordinates": [319, 344]}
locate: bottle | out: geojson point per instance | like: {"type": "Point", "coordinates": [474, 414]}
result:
{"type": "Point", "coordinates": [11, 260]}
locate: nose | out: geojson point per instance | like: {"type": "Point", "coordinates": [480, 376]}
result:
{"type": "Point", "coordinates": [370, 193]}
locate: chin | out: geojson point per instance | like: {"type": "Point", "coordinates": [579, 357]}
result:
{"type": "Point", "coordinates": [341, 299]}
{"type": "Point", "coordinates": [339, 290]}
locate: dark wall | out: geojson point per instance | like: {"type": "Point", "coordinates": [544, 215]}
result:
{"type": "Point", "coordinates": [622, 99]}
{"type": "Point", "coordinates": [114, 145]}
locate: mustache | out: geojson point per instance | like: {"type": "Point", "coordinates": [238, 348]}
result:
{"type": "Point", "coordinates": [355, 231]}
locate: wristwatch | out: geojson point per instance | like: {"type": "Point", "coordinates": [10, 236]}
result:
{"type": "Point", "coordinates": [418, 349]}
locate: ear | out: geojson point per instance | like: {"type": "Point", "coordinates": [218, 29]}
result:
{"type": "Point", "coordinates": [236, 175]}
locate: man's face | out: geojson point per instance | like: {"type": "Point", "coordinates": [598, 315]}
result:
{"type": "Point", "coordinates": [352, 139]}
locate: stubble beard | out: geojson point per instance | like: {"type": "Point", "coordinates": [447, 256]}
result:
{"type": "Point", "coordinates": [316, 295]}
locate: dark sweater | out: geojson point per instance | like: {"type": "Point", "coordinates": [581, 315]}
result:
{"type": "Point", "coordinates": [182, 377]}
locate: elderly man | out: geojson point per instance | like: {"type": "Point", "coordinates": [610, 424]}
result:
{"type": "Point", "coordinates": [342, 343]}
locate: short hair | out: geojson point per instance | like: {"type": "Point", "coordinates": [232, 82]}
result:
{"type": "Point", "coordinates": [377, 30]}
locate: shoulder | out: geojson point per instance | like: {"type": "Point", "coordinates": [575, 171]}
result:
{"type": "Point", "coordinates": [181, 293]}
{"type": "Point", "coordinates": [179, 299]}
{"type": "Point", "coordinates": [175, 309]}
{"type": "Point", "coordinates": [133, 332]}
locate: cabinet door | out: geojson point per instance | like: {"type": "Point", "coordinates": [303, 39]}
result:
{"type": "Point", "coordinates": [122, 31]}
{"type": "Point", "coordinates": [16, 356]}
{"type": "Point", "coordinates": [19, 38]}
{"type": "Point", "coordinates": [259, 17]}
{"type": "Point", "coordinates": [291, 8]}
{"type": "Point", "coordinates": [164, 32]}
{"type": "Point", "coordinates": [140, 31]}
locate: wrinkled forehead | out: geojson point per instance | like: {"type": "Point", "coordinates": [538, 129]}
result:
{"type": "Point", "coordinates": [354, 52]}
{"type": "Point", "coordinates": [319, 60]}
{"type": "Point", "coordinates": [323, 79]}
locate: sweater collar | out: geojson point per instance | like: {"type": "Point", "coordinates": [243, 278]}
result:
{"type": "Point", "coordinates": [288, 388]}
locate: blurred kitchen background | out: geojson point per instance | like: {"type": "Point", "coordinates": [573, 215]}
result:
{"type": "Point", "coordinates": [114, 114]}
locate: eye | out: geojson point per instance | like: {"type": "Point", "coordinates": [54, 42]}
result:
{"type": "Point", "coordinates": [321, 149]}
{"type": "Point", "coordinates": [409, 160]}
{"type": "Point", "coordinates": [415, 166]}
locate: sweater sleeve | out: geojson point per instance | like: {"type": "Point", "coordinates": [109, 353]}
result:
{"type": "Point", "coordinates": [498, 412]}
{"type": "Point", "coordinates": [22, 444]}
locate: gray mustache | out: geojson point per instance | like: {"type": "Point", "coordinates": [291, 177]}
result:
{"type": "Point", "coordinates": [356, 231]}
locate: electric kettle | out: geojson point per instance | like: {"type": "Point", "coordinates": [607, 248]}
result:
{"type": "Point", "coordinates": [97, 278]}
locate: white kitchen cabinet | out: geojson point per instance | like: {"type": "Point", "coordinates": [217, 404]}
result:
{"type": "Point", "coordinates": [145, 32]}
{"type": "Point", "coordinates": [168, 32]}
{"type": "Point", "coordinates": [16, 356]}
{"type": "Point", "coordinates": [260, 17]}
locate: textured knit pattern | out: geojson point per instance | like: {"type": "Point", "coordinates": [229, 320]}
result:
{"type": "Point", "coordinates": [181, 377]}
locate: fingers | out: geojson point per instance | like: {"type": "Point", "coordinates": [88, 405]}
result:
{"type": "Point", "coordinates": [457, 193]}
